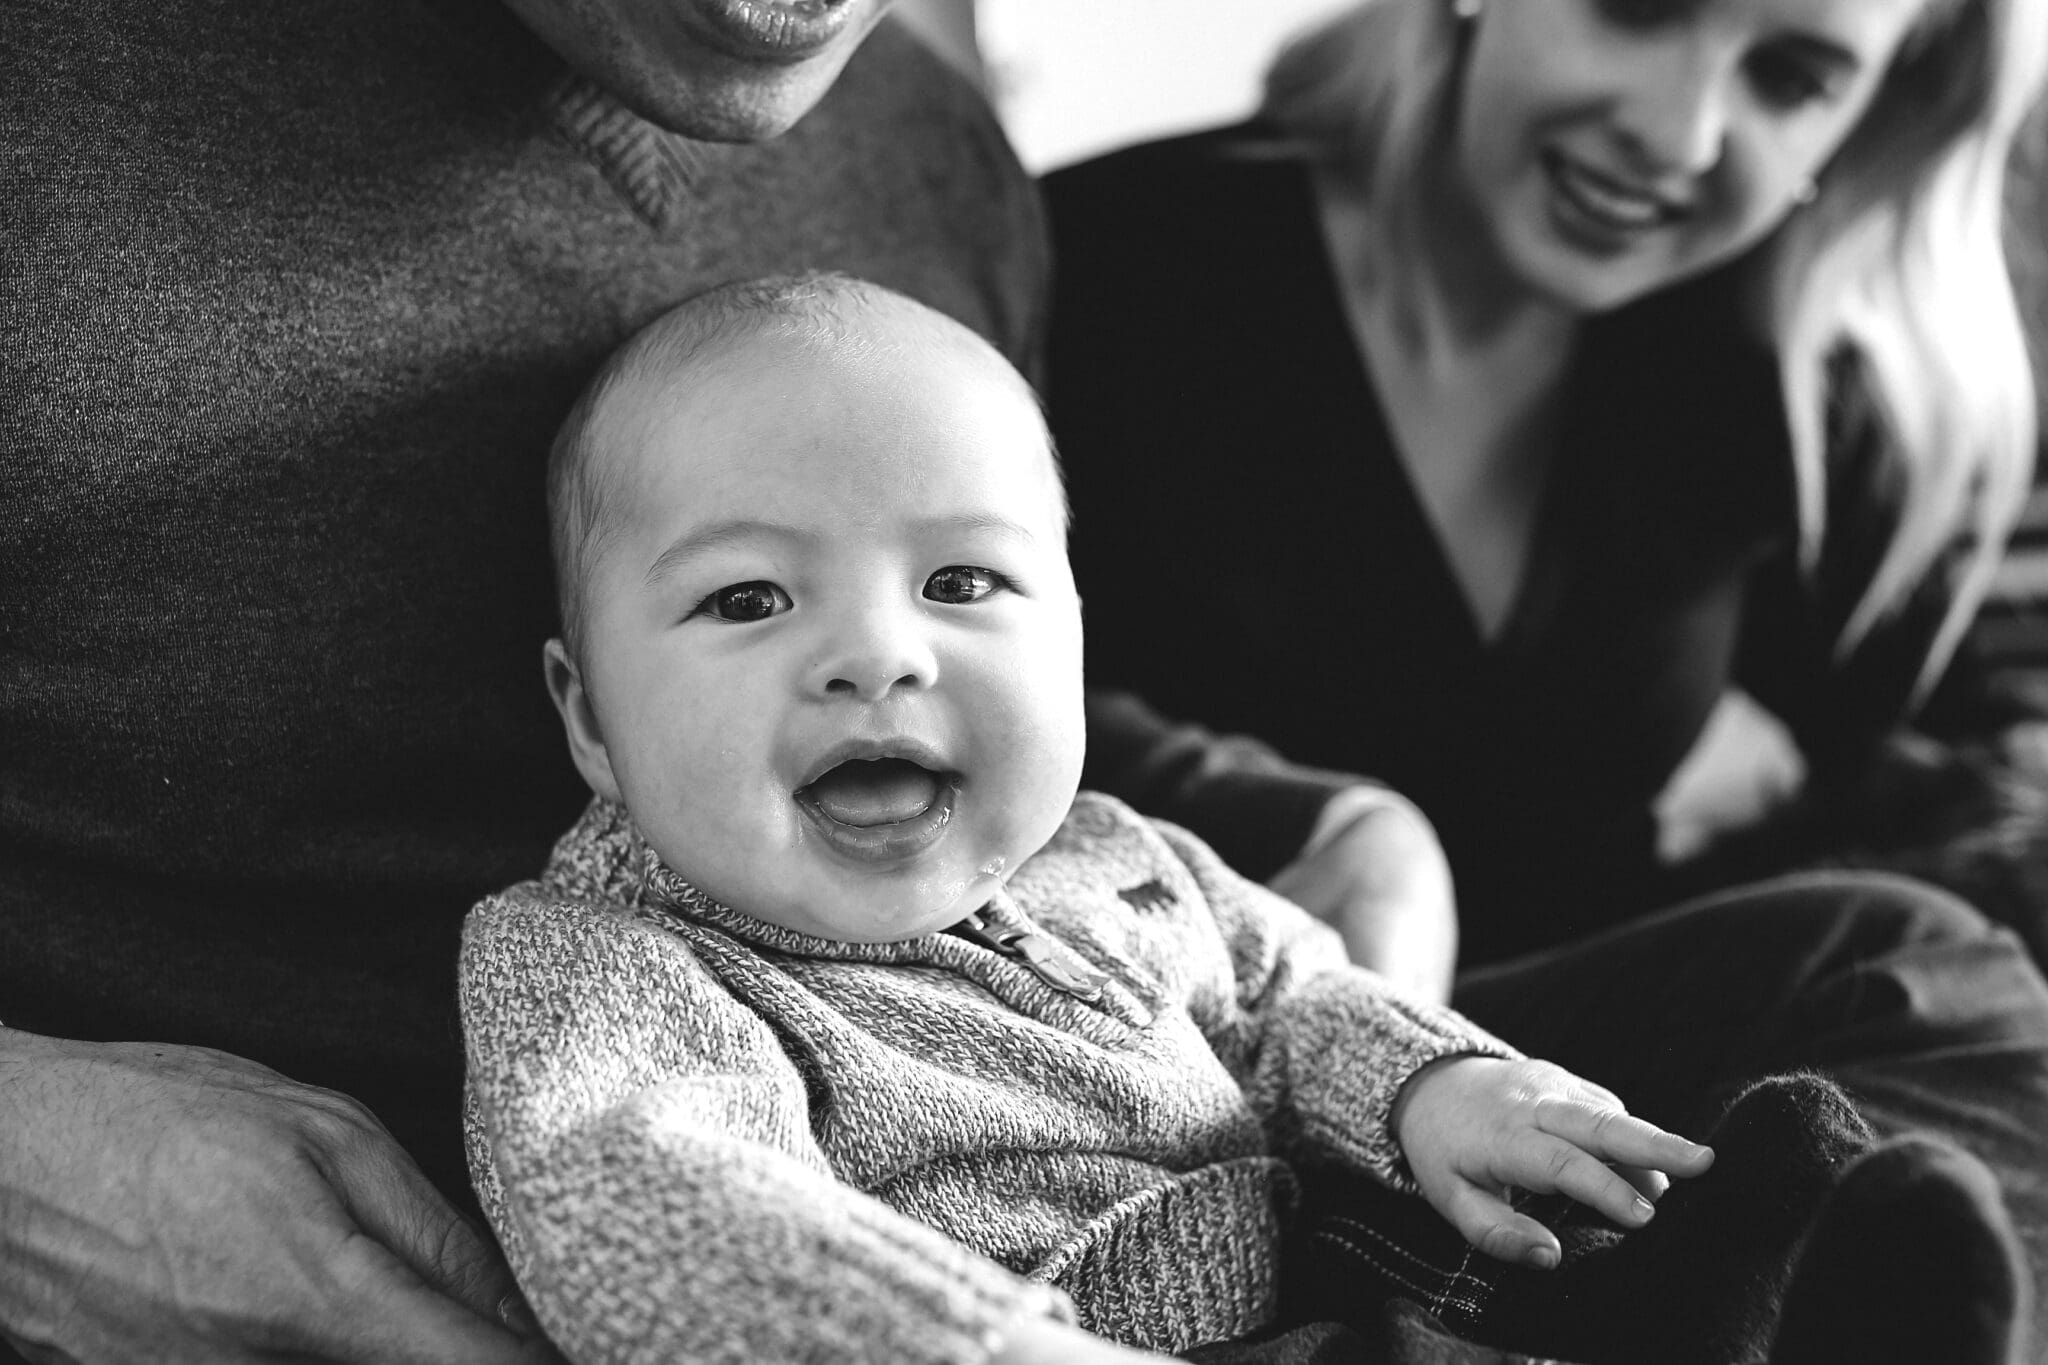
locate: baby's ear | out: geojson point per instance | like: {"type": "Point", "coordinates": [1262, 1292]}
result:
{"type": "Point", "coordinates": [572, 703]}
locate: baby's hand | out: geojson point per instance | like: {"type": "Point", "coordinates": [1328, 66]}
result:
{"type": "Point", "coordinates": [1473, 1127]}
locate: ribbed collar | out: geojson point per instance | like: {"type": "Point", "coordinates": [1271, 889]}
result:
{"type": "Point", "coordinates": [651, 167]}
{"type": "Point", "coordinates": [668, 891]}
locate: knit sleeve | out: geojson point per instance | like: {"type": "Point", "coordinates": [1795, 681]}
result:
{"type": "Point", "coordinates": [643, 1148]}
{"type": "Point", "coordinates": [1327, 1044]}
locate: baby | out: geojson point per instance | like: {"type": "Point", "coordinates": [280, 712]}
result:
{"type": "Point", "coordinates": [840, 1027]}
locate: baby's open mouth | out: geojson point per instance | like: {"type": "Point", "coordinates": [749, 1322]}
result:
{"type": "Point", "coordinates": [864, 792]}
{"type": "Point", "coordinates": [879, 809]}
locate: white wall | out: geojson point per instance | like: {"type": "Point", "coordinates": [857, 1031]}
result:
{"type": "Point", "coordinates": [1078, 76]}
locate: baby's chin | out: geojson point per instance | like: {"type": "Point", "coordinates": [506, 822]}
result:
{"type": "Point", "coordinates": [862, 911]}
{"type": "Point", "coordinates": [805, 888]}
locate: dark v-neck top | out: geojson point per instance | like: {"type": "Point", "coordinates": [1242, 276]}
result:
{"type": "Point", "coordinates": [1254, 557]}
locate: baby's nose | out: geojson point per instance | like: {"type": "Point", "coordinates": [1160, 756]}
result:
{"type": "Point", "coordinates": [882, 654]}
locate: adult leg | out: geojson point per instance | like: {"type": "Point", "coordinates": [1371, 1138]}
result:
{"type": "Point", "coordinates": [1913, 1259]}
{"type": "Point", "coordinates": [1931, 1018]}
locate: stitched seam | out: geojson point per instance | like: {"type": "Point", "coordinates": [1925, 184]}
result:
{"type": "Point", "coordinates": [1438, 1297]}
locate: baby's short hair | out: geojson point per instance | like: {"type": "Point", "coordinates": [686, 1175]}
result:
{"type": "Point", "coordinates": [818, 309]}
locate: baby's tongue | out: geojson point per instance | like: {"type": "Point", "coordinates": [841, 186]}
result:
{"type": "Point", "coordinates": [876, 791]}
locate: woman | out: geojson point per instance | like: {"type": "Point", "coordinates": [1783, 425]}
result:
{"type": "Point", "coordinates": [1533, 382]}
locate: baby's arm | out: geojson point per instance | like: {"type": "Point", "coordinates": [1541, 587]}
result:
{"type": "Point", "coordinates": [644, 1150]}
{"type": "Point", "coordinates": [1350, 1071]}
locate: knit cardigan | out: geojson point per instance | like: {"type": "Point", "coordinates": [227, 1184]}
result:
{"type": "Point", "coordinates": [702, 1137]}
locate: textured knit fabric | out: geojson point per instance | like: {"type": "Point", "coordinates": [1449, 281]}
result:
{"type": "Point", "coordinates": [293, 298]}
{"type": "Point", "coordinates": [701, 1137]}
{"type": "Point", "coordinates": [1201, 368]}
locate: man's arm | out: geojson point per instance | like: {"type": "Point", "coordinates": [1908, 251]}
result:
{"type": "Point", "coordinates": [176, 1204]}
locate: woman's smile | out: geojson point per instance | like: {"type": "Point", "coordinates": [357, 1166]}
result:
{"type": "Point", "coordinates": [1608, 203]}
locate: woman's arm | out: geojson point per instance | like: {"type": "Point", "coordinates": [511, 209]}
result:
{"type": "Point", "coordinates": [1949, 789]}
{"type": "Point", "coordinates": [1841, 703]}
{"type": "Point", "coordinates": [1252, 806]}
{"type": "Point", "coordinates": [1357, 856]}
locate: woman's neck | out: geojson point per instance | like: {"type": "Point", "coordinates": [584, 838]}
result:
{"type": "Point", "coordinates": [1460, 294]}
{"type": "Point", "coordinates": [1440, 298]}
{"type": "Point", "coordinates": [1469, 368]}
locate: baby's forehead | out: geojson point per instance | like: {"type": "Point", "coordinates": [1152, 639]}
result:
{"type": "Point", "coordinates": [765, 383]}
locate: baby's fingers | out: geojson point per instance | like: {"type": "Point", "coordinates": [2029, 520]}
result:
{"type": "Point", "coordinates": [1486, 1221]}
{"type": "Point", "coordinates": [1614, 1134]}
{"type": "Point", "coordinates": [1650, 1184]}
{"type": "Point", "coordinates": [1549, 1164]}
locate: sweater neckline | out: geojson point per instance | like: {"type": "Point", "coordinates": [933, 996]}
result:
{"type": "Point", "coordinates": [652, 169]}
{"type": "Point", "coordinates": [671, 892]}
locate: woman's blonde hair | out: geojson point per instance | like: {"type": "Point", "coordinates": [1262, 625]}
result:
{"type": "Point", "coordinates": [1898, 262]}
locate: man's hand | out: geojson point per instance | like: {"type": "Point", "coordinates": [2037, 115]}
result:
{"type": "Point", "coordinates": [1473, 1128]}
{"type": "Point", "coordinates": [174, 1204]}
{"type": "Point", "coordinates": [1375, 872]}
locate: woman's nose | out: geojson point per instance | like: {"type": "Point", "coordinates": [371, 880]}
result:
{"type": "Point", "coordinates": [875, 654]}
{"type": "Point", "coordinates": [1674, 119]}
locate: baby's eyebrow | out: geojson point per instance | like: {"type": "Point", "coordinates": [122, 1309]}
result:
{"type": "Point", "coordinates": [702, 540]}
{"type": "Point", "coordinates": [957, 522]}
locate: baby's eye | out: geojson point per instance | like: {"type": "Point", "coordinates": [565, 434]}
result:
{"type": "Point", "coordinates": [756, 601]}
{"type": "Point", "coordinates": [959, 584]}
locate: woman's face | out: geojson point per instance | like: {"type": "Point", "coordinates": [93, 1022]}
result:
{"type": "Point", "coordinates": [1612, 147]}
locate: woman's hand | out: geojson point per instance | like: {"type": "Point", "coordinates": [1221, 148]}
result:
{"type": "Point", "coordinates": [1473, 1128]}
{"type": "Point", "coordinates": [1744, 766]}
{"type": "Point", "coordinates": [175, 1204]}
{"type": "Point", "coordinates": [1375, 872]}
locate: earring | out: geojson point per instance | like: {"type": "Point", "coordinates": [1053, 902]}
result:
{"type": "Point", "coordinates": [1465, 11]}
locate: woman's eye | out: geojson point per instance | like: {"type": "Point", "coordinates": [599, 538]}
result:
{"type": "Point", "coordinates": [962, 583]}
{"type": "Point", "coordinates": [1786, 82]}
{"type": "Point", "coordinates": [755, 601]}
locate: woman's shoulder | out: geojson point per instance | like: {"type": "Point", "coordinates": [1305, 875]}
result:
{"type": "Point", "coordinates": [1145, 238]}
{"type": "Point", "coordinates": [1228, 174]}
{"type": "Point", "coordinates": [1242, 148]}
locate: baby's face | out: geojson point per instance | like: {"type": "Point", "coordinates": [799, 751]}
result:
{"type": "Point", "coordinates": [834, 653]}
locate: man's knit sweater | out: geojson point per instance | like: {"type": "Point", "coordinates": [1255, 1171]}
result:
{"type": "Point", "coordinates": [293, 297]}
{"type": "Point", "coordinates": [701, 1137]}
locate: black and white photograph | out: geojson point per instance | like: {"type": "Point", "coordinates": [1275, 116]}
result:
{"type": "Point", "coordinates": [1024, 682]}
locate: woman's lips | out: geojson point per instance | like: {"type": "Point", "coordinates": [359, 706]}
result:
{"type": "Point", "coordinates": [879, 810]}
{"type": "Point", "coordinates": [1601, 205]}
{"type": "Point", "coordinates": [776, 30]}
